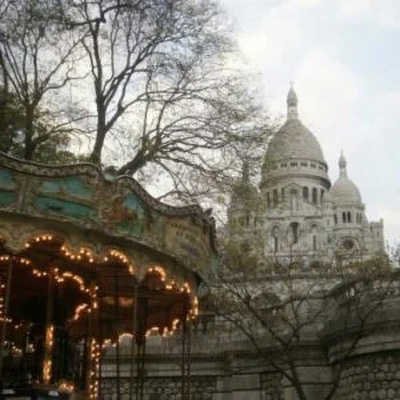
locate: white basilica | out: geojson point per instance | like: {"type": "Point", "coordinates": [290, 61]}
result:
{"type": "Point", "coordinates": [296, 212]}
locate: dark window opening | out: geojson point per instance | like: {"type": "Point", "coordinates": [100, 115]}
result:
{"type": "Point", "coordinates": [314, 196]}
{"type": "Point", "coordinates": [344, 219]}
{"type": "Point", "coordinates": [295, 231]}
{"type": "Point", "coordinates": [335, 218]}
{"type": "Point", "coordinates": [348, 244]}
{"type": "Point", "coordinates": [314, 242]}
{"type": "Point", "coordinates": [275, 197]}
{"type": "Point", "coordinates": [293, 200]}
{"type": "Point", "coordinates": [275, 235]}
{"type": "Point", "coordinates": [305, 193]}
{"type": "Point", "coordinates": [322, 195]}
{"type": "Point", "coordinates": [349, 217]}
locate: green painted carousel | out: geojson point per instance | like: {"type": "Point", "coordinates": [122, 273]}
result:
{"type": "Point", "coordinates": [86, 258]}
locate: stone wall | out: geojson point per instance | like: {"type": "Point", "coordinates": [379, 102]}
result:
{"type": "Point", "coordinates": [371, 377]}
{"type": "Point", "coordinates": [271, 386]}
{"type": "Point", "coordinates": [163, 388]}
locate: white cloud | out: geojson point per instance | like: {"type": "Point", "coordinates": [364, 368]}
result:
{"type": "Point", "coordinates": [329, 87]}
{"type": "Point", "coordinates": [276, 33]}
{"type": "Point", "coordinates": [382, 13]}
{"type": "Point", "coordinates": [391, 221]}
{"type": "Point", "coordinates": [339, 100]}
{"type": "Point", "coordinates": [328, 94]}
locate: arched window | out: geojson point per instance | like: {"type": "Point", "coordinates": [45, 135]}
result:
{"type": "Point", "coordinates": [322, 195]}
{"type": "Point", "coordinates": [293, 200]}
{"type": "Point", "coordinates": [314, 237]}
{"type": "Point", "coordinates": [275, 197]}
{"type": "Point", "coordinates": [349, 217]}
{"type": "Point", "coordinates": [295, 231]}
{"type": "Point", "coordinates": [314, 196]}
{"type": "Point", "coordinates": [335, 218]}
{"type": "Point", "coordinates": [344, 218]}
{"type": "Point", "coordinates": [275, 235]}
{"type": "Point", "coordinates": [247, 219]}
{"type": "Point", "coordinates": [305, 193]}
{"type": "Point", "coordinates": [348, 244]}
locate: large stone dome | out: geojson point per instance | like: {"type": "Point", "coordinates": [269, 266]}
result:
{"type": "Point", "coordinates": [344, 191]}
{"type": "Point", "coordinates": [294, 140]}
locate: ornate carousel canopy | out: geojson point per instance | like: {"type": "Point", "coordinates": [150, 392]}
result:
{"type": "Point", "coordinates": [86, 257]}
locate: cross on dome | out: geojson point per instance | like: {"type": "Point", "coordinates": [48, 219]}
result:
{"type": "Point", "coordinates": [292, 101]}
{"type": "Point", "coordinates": [343, 165]}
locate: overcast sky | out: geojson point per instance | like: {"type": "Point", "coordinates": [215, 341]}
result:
{"type": "Point", "coordinates": [344, 59]}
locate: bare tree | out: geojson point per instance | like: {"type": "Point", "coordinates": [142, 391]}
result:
{"type": "Point", "coordinates": [167, 99]}
{"type": "Point", "coordinates": [37, 62]}
{"type": "Point", "coordinates": [149, 85]}
{"type": "Point", "coordinates": [291, 304]}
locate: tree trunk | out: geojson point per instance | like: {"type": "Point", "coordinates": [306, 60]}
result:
{"type": "Point", "coordinates": [29, 132]}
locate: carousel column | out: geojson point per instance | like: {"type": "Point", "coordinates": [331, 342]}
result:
{"type": "Point", "coordinates": [133, 343]}
{"type": "Point", "coordinates": [93, 356]}
{"type": "Point", "coordinates": [10, 266]}
{"type": "Point", "coordinates": [141, 350]}
{"type": "Point", "coordinates": [186, 353]}
{"type": "Point", "coordinates": [49, 331]}
{"type": "Point", "coordinates": [117, 330]}
{"type": "Point", "coordinates": [101, 344]}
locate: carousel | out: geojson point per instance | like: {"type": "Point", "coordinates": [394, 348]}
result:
{"type": "Point", "coordinates": [87, 258]}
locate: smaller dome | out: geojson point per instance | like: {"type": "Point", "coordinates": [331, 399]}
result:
{"type": "Point", "coordinates": [344, 190]}
{"type": "Point", "coordinates": [244, 193]}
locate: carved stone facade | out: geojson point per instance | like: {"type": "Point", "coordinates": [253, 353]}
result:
{"type": "Point", "coordinates": [371, 377]}
{"type": "Point", "coordinates": [296, 212]}
{"type": "Point", "coordinates": [163, 388]}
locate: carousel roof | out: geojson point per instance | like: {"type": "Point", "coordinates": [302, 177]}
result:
{"type": "Point", "coordinates": [97, 211]}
